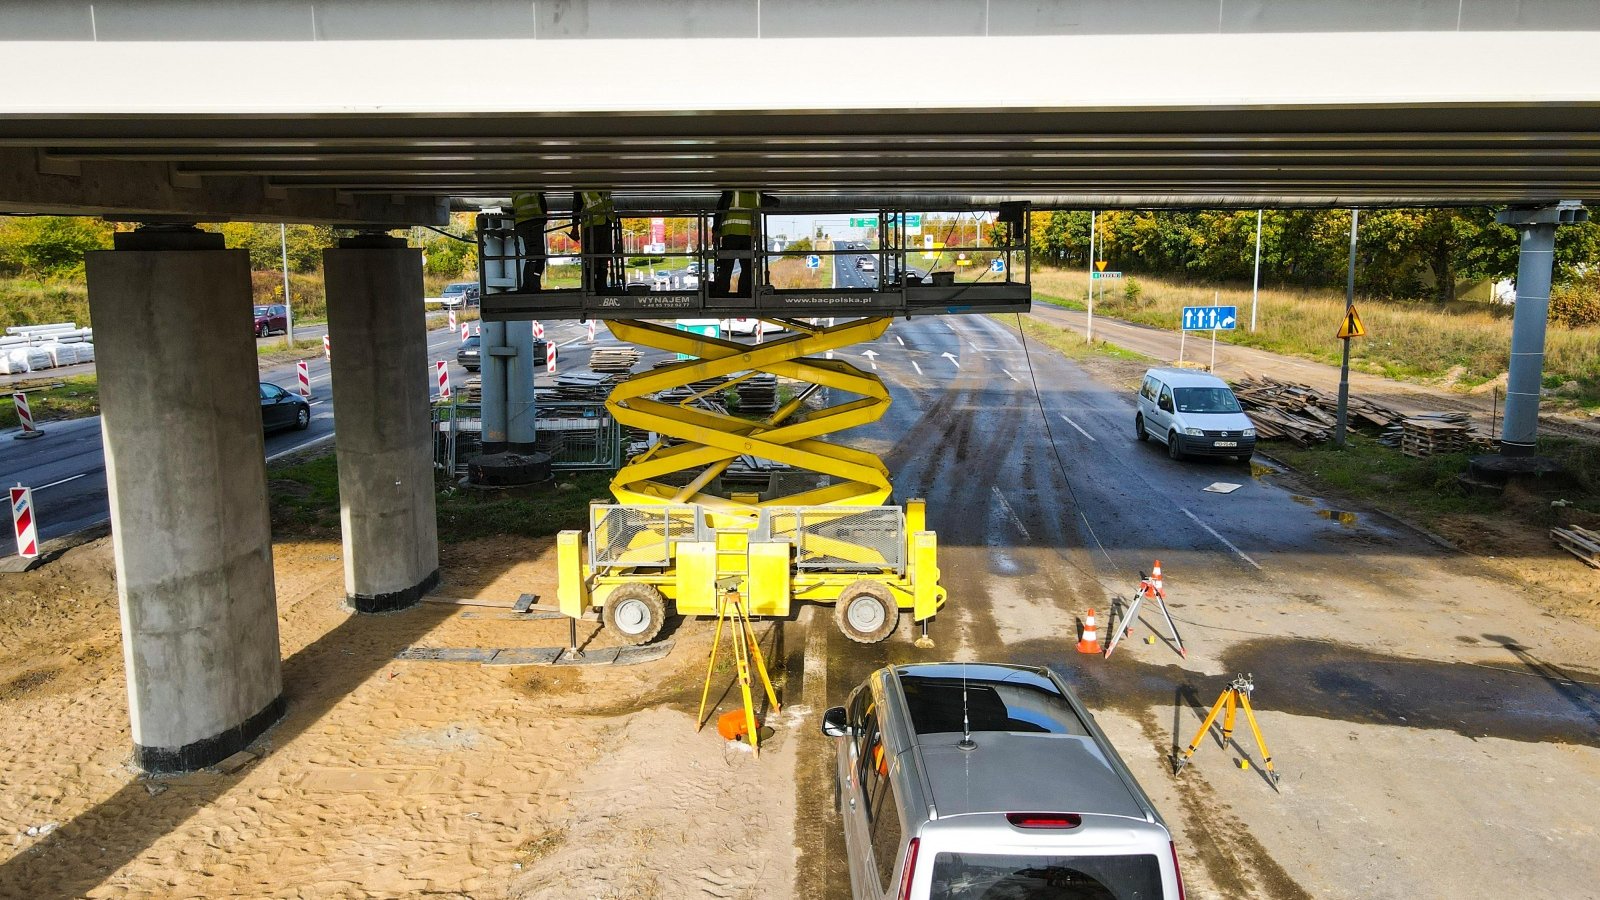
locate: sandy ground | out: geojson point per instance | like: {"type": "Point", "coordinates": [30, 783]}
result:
{"type": "Point", "coordinates": [386, 778]}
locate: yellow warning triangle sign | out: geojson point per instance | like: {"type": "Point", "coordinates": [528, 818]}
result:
{"type": "Point", "coordinates": [1100, 264]}
{"type": "Point", "coordinates": [1352, 327]}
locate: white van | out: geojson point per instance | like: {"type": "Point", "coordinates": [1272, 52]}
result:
{"type": "Point", "coordinates": [1193, 413]}
{"type": "Point", "coordinates": [976, 781]}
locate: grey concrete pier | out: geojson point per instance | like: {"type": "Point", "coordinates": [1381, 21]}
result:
{"type": "Point", "coordinates": [384, 442]}
{"type": "Point", "coordinates": [185, 468]}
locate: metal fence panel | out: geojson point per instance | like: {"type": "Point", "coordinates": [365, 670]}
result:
{"type": "Point", "coordinates": [861, 538]}
{"type": "Point", "coordinates": [640, 535]}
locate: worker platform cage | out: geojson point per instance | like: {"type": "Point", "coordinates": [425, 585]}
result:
{"type": "Point", "coordinates": [803, 264]}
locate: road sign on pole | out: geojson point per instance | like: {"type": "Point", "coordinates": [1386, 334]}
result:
{"type": "Point", "coordinates": [1210, 318]}
{"type": "Point", "coordinates": [1099, 275]}
{"type": "Point", "coordinates": [23, 523]}
{"type": "Point", "coordinates": [538, 330]}
{"type": "Point", "coordinates": [1352, 327]}
{"type": "Point", "coordinates": [813, 262]}
{"type": "Point", "coordinates": [866, 222]}
{"type": "Point", "coordinates": [1340, 413]}
{"type": "Point", "coordinates": [997, 265]}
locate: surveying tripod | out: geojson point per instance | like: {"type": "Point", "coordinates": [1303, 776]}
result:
{"type": "Point", "coordinates": [1235, 695]}
{"type": "Point", "coordinates": [1149, 586]}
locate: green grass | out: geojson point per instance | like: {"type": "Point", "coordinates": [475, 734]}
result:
{"type": "Point", "coordinates": [305, 498]}
{"type": "Point", "coordinates": [27, 301]}
{"type": "Point", "coordinates": [55, 398]}
{"type": "Point", "coordinates": [1460, 343]}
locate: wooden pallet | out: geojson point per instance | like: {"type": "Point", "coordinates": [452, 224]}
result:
{"type": "Point", "coordinates": [1580, 542]}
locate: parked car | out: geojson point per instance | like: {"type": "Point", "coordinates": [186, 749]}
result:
{"type": "Point", "coordinates": [271, 319]}
{"type": "Point", "coordinates": [458, 294]}
{"type": "Point", "coordinates": [743, 326]}
{"type": "Point", "coordinates": [469, 355]}
{"type": "Point", "coordinates": [281, 409]}
{"type": "Point", "coordinates": [978, 781]}
{"type": "Point", "coordinates": [1193, 413]}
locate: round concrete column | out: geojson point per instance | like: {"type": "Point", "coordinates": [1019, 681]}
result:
{"type": "Point", "coordinates": [382, 423]}
{"type": "Point", "coordinates": [185, 468]}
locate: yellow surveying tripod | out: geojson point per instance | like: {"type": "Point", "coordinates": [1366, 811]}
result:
{"type": "Point", "coordinates": [1234, 696]}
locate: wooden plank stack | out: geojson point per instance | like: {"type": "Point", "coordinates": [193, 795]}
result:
{"type": "Point", "coordinates": [1301, 413]}
{"type": "Point", "coordinates": [1580, 542]}
{"type": "Point", "coordinates": [1424, 436]}
{"type": "Point", "coordinates": [613, 359]}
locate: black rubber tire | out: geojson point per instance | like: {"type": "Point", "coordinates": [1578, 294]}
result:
{"type": "Point", "coordinates": [1174, 448]}
{"type": "Point", "coordinates": [261, 331]}
{"type": "Point", "coordinates": [635, 612]}
{"type": "Point", "coordinates": [869, 627]}
{"type": "Point", "coordinates": [1138, 427]}
{"type": "Point", "coordinates": [302, 418]}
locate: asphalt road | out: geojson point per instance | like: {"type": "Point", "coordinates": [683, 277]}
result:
{"type": "Point", "coordinates": [1045, 506]}
{"type": "Point", "coordinates": [66, 467]}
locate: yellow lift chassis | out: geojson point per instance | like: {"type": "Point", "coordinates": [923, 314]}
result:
{"type": "Point", "coordinates": [833, 543]}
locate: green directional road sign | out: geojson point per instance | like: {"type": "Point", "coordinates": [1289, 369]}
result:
{"type": "Point", "coordinates": [868, 222]}
{"type": "Point", "coordinates": [1105, 274]}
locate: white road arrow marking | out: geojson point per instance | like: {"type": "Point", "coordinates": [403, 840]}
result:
{"type": "Point", "coordinates": [1011, 376]}
{"type": "Point", "coordinates": [872, 357]}
{"type": "Point", "coordinates": [917, 367]}
{"type": "Point", "coordinates": [952, 359]}
{"type": "Point", "coordinates": [898, 338]}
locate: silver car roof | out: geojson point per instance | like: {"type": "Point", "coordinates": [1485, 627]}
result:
{"type": "Point", "coordinates": [1012, 771]}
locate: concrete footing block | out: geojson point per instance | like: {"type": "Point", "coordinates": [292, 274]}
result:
{"type": "Point", "coordinates": [394, 600]}
{"type": "Point", "coordinates": [208, 751]}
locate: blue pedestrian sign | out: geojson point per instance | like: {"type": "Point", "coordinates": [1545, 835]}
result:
{"type": "Point", "coordinates": [813, 262]}
{"type": "Point", "coordinates": [1210, 318]}
{"type": "Point", "coordinates": [997, 265]}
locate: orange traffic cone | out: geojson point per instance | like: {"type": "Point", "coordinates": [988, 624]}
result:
{"type": "Point", "coordinates": [1155, 579]}
{"type": "Point", "coordinates": [1090, 642]}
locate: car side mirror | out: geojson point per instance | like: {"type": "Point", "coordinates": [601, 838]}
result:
{"type": "Point", "coordinates": [835, 723]}
{"type": "Point", "coordinates": [1166, 405]}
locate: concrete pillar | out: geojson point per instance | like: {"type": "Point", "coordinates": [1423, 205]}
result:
{"type": "Point", "coordinates": [493, 366]}
{"type": "Point", "coordinates": [186, 472]}
{"type": "Point", "coordinates": [382, 425]}
{"type": "Point", "coordinates": [1535, 261]}
{"type": "Point", "coordinates": [520, 371]}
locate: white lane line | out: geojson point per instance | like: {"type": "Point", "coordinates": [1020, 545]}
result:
{"type": "Point", "coordinates": [321, 439]}
{"type": "Point", "coordinates": [1219, 537]}
{"type": "Point", "coordinates": [917, 367]}
{"type": "Point", "coordinates": [1077, 426]}
{"type": "Point", "coordinates": [974, 347]}
{"type": "Point", "coordinates": [1011, 513]}
{"type": "Point", "coordinates": [573, 341]}
{"type": "Point", "coordinates": [900, 339]}
{"type": "Point", "coordinates": [1011, 376]}
{"type": "Point", "coordinates": [315, 402]}
{"type": "Point", "coordinates": [62, 481]}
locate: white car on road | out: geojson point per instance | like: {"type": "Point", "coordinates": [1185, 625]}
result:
{"type": "Point", "coordinates": [748, 326]}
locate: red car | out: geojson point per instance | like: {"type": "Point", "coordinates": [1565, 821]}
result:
{"type": "Point", "coordinates": [270, 319]}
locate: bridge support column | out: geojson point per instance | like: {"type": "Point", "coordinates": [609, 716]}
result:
{"type": "Point", "coordinates": [1535, 261]}
{"type": "Point", "coordinates": [185, 469]}
{"type": "Point", "coordinates": [384, 440]}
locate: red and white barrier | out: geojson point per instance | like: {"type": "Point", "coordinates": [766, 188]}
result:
{"type": "Point", "coordinates": [302, 370]}
{"type": "Point", "coordinates": [23, 522]}
{"type": "Point", "coordinates": [550, 358]}
{"type": "Point", "coordinates": [464, 333]}
{"type": "Point", "coordinates": [538, 330]}
{"type": "Point", "coordinates": [443, 377]}
{"type": "Point", "coordinates": [25, 416]}
{"type": "Point", "coordinates": [591, 331]}
{"type": "Point", "coordinates": [452, 320]}
{"type": "Point", "coordinates": [327, 348]}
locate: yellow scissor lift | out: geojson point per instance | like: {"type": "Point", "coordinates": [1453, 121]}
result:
{"type": "Point", "coordinates": [670, 537]}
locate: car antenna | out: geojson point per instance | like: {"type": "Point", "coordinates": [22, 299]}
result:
{"type": "Point", "coordinates": [966, 725]}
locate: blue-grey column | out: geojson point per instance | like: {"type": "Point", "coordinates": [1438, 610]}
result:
{"type": "Point", "coordinates": [382, 422]}
{"type": "Point", "coordinates": [492, 366]}
{"type": "Point", "coordinates": [520, 411]}
{"type": "Point", "coordinates": [186, 472]}
{"type": "Point", "coordinates": [1535, 262]}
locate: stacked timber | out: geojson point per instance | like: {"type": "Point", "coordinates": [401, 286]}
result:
{"type": "Point", "coordinates": [1428, 435]}
{"type": "Point", "coordinates": [1580, 542]}
{"type": "Point", "coordinates": [1301, 413]}
{"type": "Point", "coordinates": [614, 360]}
{"type": "Point", "coordinates": [759, 395]}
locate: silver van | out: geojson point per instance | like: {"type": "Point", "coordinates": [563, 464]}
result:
{"type": "Point", "coordinates": [978, 781]}
{"type": "Point", "coordinates": [1193, 413]}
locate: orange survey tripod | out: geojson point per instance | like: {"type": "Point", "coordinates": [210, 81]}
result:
{"type": "Point", "coordinates": [1235, 695]}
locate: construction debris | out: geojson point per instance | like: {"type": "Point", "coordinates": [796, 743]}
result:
{"type": "Point", "coordinates": [1580, 542]}
{"type": "Point", "coordinates": [1306, 416]}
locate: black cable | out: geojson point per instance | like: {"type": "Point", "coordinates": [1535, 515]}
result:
{"type": "Point", "coordinates": [455, 237]}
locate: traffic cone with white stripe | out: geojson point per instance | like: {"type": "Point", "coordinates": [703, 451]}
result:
{"type": "Point", "coordinates": [1090, 642]}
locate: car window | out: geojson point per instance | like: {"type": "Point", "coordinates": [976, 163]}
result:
{"type": "Point", "coordinates": [1148, 389]}
{"type": "Point", "coordinates": [941, 705]}
{"type": "Point", "coordinates": [261, 310]}
{"type": "Point", "coordinates": [471, 342]}
{"type": "Point", "coordinates": [1206, 400]}
{"type": "Point", "coordinates": [988, 876]}
{"type": "Point", "coordinates": [271, 391]}
{"type": "Point", "coordinates": [1166, 398]}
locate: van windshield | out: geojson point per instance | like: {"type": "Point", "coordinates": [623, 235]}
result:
{"type": "Point", "coordinates": [1206, 400]}
{"type": "Point", "coordinates": [987, 876]}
